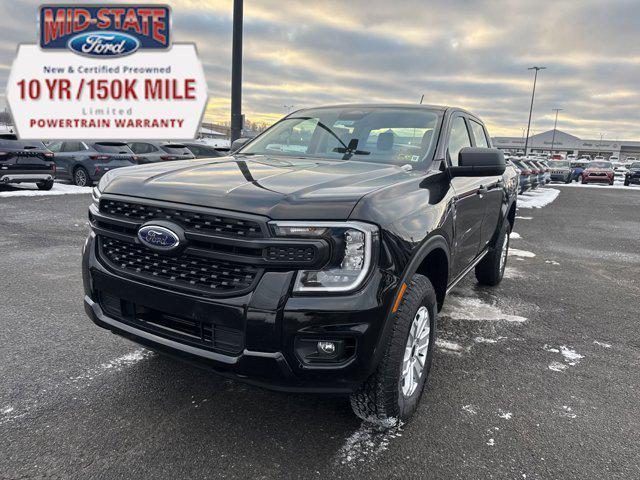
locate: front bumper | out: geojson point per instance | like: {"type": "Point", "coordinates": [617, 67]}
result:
{"type": "Point", "coordinates": [560, 177]}
{"type": "Point", "coordinates": [269, 322]}
{"type": "Point", "coordinates": [596, 179]}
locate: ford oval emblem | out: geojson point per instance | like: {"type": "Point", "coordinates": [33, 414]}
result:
{"type": "Point", "coordinates": [104, 44]}
{"type": "Point", "coordinates": [158, 238]}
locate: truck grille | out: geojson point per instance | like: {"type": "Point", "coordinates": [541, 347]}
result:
{"type": "Point", "coordinates": [190, 272]}
{"type": "Point", "coordinates": [191, 220]}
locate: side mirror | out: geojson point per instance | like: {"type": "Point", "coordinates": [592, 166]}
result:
{"type": "Point", "coordinates": [238, 144]}
{"type": "Point", "coordinates": [478, 162]}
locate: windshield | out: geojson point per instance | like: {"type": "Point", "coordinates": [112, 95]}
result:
{"type": "Point", "coordinates": [600, 165]}
{"type": "Point", "coordinates": [559, 164]}
{"type": "Point", "coordinates": [635, 165]}
{"type": "Point", "coordinates": [374, 134]}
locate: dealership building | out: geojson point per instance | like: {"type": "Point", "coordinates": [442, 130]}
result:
{"type": "Point", "coordinates": [565, 143]}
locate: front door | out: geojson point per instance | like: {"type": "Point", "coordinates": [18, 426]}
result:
{"type": "Point", "coordinates": [469, 201]}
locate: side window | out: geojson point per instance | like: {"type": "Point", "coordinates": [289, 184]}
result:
{"type": "Point", "coordinates": [196, 150]}
{"type": "Point", "coordinates": [55, 146]}
{"type": "Point", "coordinates": [478, 134]}
{"type": "Point", "coordinates": [71, 147]}
{"type": "Point", "coordinates": [134, 147]}
{"type": "Point", "coordinates": [458, 139]}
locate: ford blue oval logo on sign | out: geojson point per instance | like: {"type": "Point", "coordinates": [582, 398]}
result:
{"type": "Point", "coordinates": [104, 44]}
{"type": "Point", "coordinates": [110, 30]}
{"type": "Point", "coordinates": [158, 238]}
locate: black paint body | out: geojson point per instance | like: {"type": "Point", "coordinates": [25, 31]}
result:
{"type": "Point", "coordinates": [418, 212]}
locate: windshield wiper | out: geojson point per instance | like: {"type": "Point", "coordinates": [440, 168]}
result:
{"type": "Point", "coordinates": [348, 150]}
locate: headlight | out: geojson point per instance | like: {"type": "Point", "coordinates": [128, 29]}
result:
{"type": "Point", "coordinates": [352, 245]}
{"type": "Point", "coordinates": [95, 196]}
{"type": "Point", "coordinates": [106, 180]}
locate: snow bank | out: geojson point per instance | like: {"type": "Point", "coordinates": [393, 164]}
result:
{"type": "Point", "coordinates": [537, 198]}
{"type": "Point", "coordinates": [30, 190]}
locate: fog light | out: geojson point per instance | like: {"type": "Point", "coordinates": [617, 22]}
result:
{"type": "Point", "coordinates": [327, 348]}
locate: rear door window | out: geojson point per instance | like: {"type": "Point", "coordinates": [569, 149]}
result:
{"type": "Point", "coordinates": [479, 134]}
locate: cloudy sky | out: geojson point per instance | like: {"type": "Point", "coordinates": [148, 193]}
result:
{"type": "Point", "coordinates": [468, 53]}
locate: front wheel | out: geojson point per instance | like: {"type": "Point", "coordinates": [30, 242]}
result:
{"type": "Point", "coordinates": [45, 185]}
{"type": "Point", "coordinates": [392, 393]}
{"type": "Point", "coordinates": [626, 182]}
{"type": "Point", "coordinates": [490, 270]}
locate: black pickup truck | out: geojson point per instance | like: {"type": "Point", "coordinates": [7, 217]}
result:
{"type": "Point", "coordinates": [315, 258]}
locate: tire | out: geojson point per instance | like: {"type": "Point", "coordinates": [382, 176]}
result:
{"type": "Point", "coordinates": [388, 396]}
{"type": "Point", "coordinates": [46, 185]}
{"type": "Point", "coordinates": [626, 182]}
{"type": "Point", "coordinates": [568, 180]}
{"type": "Point", "coordinates": [81, 177]}
{"type": "Point", "coordinates": [490, 270]}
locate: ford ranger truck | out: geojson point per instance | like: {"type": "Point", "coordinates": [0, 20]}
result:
{"type": "Point", "coordinates": [315, 258]}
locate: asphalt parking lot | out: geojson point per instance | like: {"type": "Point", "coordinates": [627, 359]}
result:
{"type": "Point", "coordinates": [538, 378]}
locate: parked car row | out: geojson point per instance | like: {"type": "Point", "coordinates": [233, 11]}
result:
{"type": "Point", "coordinates": [533, 173]}
{"type": "Point", "coordinates": [84, 162]}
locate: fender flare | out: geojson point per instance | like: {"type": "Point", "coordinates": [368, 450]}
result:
{"type": "Point", "coordinates": [434, 241]}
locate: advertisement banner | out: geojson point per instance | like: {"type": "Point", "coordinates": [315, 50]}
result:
{"type": "Point", "coordinates": [106, 72]}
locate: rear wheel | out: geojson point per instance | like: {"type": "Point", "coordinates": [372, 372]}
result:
{"type": "Point", "coordinates": [490, 270]}
{"type": "Point", "coordinates": [81, 177]}
{"type": "Point", "coordinates": [392, 393]}
{"type": "Point", "coordinates": [45, 185]}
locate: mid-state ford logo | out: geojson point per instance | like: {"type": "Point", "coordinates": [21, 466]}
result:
{"type": "Point", "coordinates": [87, 29]}
{"type": "Point", "coordinates": [104, 44]}
{"type": "Point", "coordinates": [158, 238]}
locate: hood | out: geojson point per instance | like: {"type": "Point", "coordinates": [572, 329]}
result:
{"type": "Point", "coordinates": [276, 187]}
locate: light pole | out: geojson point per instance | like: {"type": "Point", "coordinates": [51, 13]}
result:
{"type": "Point", "coordinates": [553, 139]}
{"type": "Point", "coordinates": [236, 72]}
{"type": "Point", "coordinates": [533, 94]}
{"type": "Point", "coordinates": [600, 144]}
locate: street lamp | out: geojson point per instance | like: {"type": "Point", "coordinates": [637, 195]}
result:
{"type": "Point", "coordinates": [553, 139]}
{"type": "Point", "coordinates": [533, 94]}
{"type": "Point", "coordinates": [236, 72]}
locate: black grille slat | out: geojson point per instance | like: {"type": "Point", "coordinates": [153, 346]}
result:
{"type": "Point", "coordinates": [188, 271]}
{"type": "Point", "coordinates": [189, 220]}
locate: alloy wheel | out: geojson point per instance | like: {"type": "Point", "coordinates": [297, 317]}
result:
{"type": "Point", "coordinates": [415, 352]}
{"type": "Point", "coordinates": [81, 178]}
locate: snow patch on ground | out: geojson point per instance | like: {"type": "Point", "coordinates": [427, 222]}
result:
{"type": "Point", "coordinates": [569, 355]}
{"type": "Point", "coordinates": [510, 273]}
{"type": "Point", "coordinates": [6, 410]}
{"type": "Point", "coordinates": [514, 252]}
{"type": "Point", "coordinates": [551, 262]}
{"type": "Point", "coordinates": [474, 309]}
{"type": "Point", "coordinates": [491, 442]}
{"type": "Point", "coordinates": [504, 414]}
{"type": "Point", "coordinates": [557, 367]}
{"type": "Point", "coordinates": [524, 218]}
{"type": "Point", "coordinates": [485, 340]}
{"type": "Point", "coordinates": [567, 412]}
{"type": "Point", "coordinates": [602, 344]}
{"type": "Point", "coordinates": [367, 443]}
{"type": "Point", "coordinates": [117, 364]}
{"type": "Point", "coordinates": [30, 190]}
{"type": "Point", "coordinates": [447, 346]}
{"type": "Point", "coordinates": [470, 409]}
{"type": "Point", "coordinates": [538, 199]}
{"type": "Point", "coordinates": [514, 236]}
